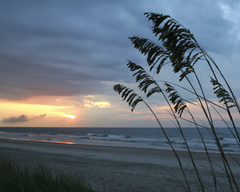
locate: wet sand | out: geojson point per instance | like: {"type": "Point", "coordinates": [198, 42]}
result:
{"type": "Point", "coordinates": [117, 168]}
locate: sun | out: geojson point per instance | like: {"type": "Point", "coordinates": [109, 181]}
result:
{"type": "Point", "coordinates": [70, 116]}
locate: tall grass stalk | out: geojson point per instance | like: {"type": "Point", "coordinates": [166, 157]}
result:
{"type": "Point", "coordinates": [178, 47]}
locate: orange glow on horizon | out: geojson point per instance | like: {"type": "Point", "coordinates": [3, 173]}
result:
{"type": "Point", "coordinates": [9, 109]}
{"type": "Point", "coordinates": [71, 116]}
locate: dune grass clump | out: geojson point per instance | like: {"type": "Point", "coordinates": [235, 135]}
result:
{"type": "Point", "coordinates": [16, 178]}
{"type": "Point", "coordinates": [201, 97]}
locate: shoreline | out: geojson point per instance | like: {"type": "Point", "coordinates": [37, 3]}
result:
{"type": "Point", "coordinates": [123, 168]}
{"type": "Point", "coordinates": [131, 137]}
{"type": "Point", "coordinates": [101, 150]}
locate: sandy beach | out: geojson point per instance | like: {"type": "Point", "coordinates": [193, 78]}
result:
{"type": "Point", "coordinates": [116, 168]}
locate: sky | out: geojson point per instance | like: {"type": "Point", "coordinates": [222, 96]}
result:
{"type": "Point", "coordinates": [60, 59]}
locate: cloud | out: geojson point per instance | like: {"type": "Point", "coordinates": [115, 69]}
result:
{"type": "Point", "coordinates": [67, 48]}
{"type": "Point", "coordinates": [38, 117]}
{"type": "Point", "coordinates": [93, 101]}
{"type": "Point", "coordinates": [21, 118]}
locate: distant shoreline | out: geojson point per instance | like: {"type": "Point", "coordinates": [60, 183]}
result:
{"type": "Point", "coordinates": [148, 155]}
{"type": "Point", "coordinates": [126, 137]}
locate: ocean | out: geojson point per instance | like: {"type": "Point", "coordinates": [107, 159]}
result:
{"type": "Point", "coordinates": [125, 137]}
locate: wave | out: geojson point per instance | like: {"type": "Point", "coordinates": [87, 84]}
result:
{"type": "Point", "coordinates": [126, 140]}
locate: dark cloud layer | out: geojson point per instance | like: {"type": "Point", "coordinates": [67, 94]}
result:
{"type": "Point", "coordinates": [66, 48]}
{"type": "Point", "coordinates": [21, 118]}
